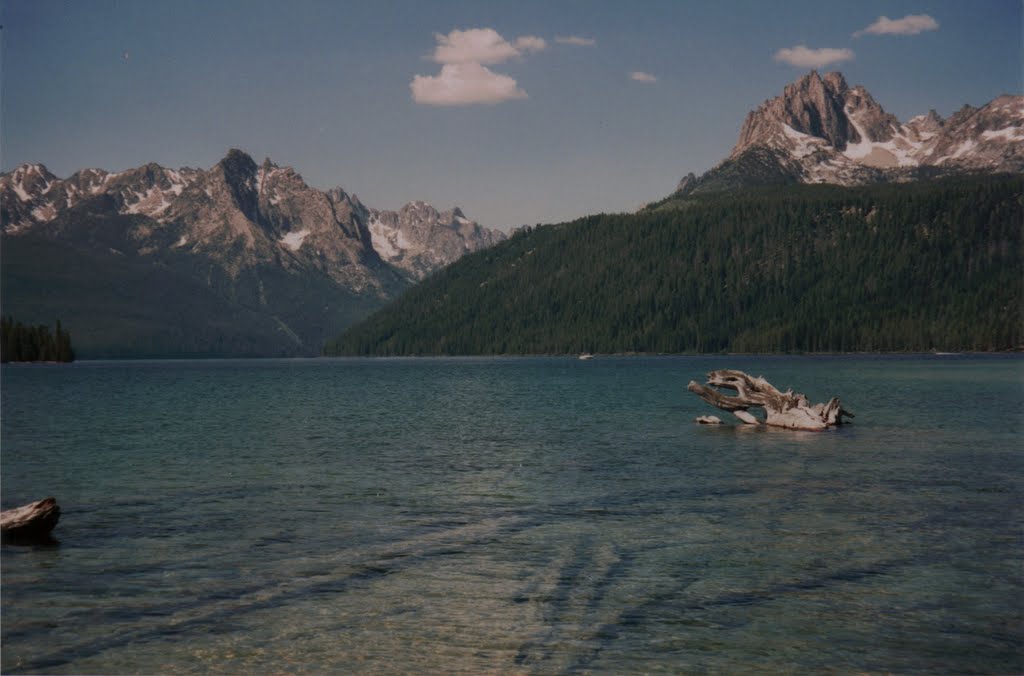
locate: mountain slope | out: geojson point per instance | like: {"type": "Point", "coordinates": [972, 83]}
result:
{"type": "Point", "coordinates": [929, 265]}
{"type": "Point", "coordinates": [821, 130]}
{"type": "Point", "coordinates": [239, 260]}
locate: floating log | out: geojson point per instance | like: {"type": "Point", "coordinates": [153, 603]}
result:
{"type": "Point", "coordinates": [782, 409]}
{"type": "Point", "coordinates": [33, 521]}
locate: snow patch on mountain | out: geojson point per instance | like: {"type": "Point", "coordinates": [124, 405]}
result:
{"type": "Point", "coordinates": [1006, 134]}
{"type": "Point", "coordinates": [389, 242]}
{"type": "Point", "coordinates": [803, 144]}
{"type": "Point", "coordinates": [294, 240]}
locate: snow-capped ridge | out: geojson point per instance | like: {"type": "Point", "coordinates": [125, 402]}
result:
{"type": "Point", "coordinates": [245, 214]}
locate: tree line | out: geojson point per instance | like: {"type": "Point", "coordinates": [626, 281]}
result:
{"type": "Point", "coordinates": [932, 265]}
{"type": "Point", "coordinates": [19, 342]}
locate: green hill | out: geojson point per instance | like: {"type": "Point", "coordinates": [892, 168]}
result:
{"type": "Point", "coordinates": [120, 306]}
{"type": "Point", "coordinates": [890, 267]}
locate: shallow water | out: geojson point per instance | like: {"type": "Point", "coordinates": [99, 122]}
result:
{"type": "Point", "coordinates": [533, 515]}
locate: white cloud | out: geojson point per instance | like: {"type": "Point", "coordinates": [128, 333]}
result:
{"type": "Point", "coordinates": [462, 84]}
{"type": "Point", "coordinates": [805, 57]}
{"type": "Point", "coordinates": [575, 40]}
{"type": "Point", "coordinates": [482, 45]}
{"type": "Point", "coordinates": [912, 24]}
{"type": "Point", "coordinates": [530, 43]}
{"type": "Point", "coordinates": [641, 76]}
{"type": "Point", "coordinates": [465, 78]}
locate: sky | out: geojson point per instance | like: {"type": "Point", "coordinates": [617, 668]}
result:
{"type": "Point", "coordinates": [518, 111]}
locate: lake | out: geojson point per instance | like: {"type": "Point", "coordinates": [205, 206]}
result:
{"type": "Point", "coordinates": [513, 515]}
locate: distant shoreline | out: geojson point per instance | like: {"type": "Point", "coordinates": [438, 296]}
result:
{"type": "Point", "coordinates": [565, 355]}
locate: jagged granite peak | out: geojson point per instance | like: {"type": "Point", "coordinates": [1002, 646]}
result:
{"type": "Point", "coordinates": [821, 130]}
{"type": "Point", "coordinates": [238, 171]}
{"type": "Point", "coordinates": [824, 108]}
{"type": "Point", "coordinates": [811, 105]}
{"type": "Point", "coordinates": [33, 178]}
{"type": "Point", "coordinates": [23, 191]}
{"type": "Point", "coordinates": [419, 239]}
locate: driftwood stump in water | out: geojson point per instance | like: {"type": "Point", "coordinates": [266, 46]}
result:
{"type": "Point", "coordinates": [33, 521]}
{"type": "Point", "coordinates": [782, 409]}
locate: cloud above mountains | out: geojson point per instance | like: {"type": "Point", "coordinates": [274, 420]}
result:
{"type": "Point", "coordinates": [912, 24]}
{"type": "Point", "coordinates": [575, 40]}
{"type": "Point", "coordinates": [803, 56]}
{"type": "Point", "coordinates": [482, 45]}
{"type": "Point", "coordinates": [465, 78]}
{"type": "Point", "coordinates": [466, 58]}
{"type": "Point", "coordinates": [464, 83]}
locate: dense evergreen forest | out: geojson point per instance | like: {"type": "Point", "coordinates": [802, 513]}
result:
{"type": "Point", "coordinates": [931, 265]}
{"type": "Point", "coordinates": [33, 343]}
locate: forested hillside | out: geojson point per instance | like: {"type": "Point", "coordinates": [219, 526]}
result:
{"type": "Point", "coordinates": [894, 267]}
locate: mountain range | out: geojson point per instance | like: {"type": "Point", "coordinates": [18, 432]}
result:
{"type": "Point", "coordinates": [821, 130]}
{"type": "Point", "coordinates": [243, 258]}
{"type": "Point", "coordinates": [831, 226]}
{"type": "Point", "coordinates": [246, 259]}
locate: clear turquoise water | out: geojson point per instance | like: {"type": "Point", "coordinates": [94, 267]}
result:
{"type": "Point", "coordinates": [532, 515]}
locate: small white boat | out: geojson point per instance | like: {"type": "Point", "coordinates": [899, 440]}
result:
{"type": "Point", "coordinates": [585, 356]}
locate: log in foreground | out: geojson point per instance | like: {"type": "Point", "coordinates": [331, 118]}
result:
{"type": "Point", "coordinates": [782, 409]}
{"type": "Point", "coordinates": [33, 521]}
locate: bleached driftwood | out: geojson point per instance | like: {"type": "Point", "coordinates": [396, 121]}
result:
{"type": "Point", "coordinates": [32, 521]}
{"type": "Point", "coordinates": [709, 420]}
{"type": "Point", "coordinates": [782, 409]}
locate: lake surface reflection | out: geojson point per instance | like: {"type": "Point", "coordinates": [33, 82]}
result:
{"type": "Point", "coordinates": [513, 515]}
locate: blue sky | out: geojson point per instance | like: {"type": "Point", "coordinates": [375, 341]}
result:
{"type": "Point", "coordinates": [522, 111]}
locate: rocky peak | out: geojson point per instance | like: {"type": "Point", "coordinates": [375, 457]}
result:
{"type": "Point", "coordinates": [821, 130]}
{"type": "Point", "coordinates": [869, 120]}
{"type": "Point", "coordinates": [32, 178]}
{"type": "Point", "coordinates": [811, 106]}
{"type": "Point", "coordinates": [238, 171]}
{"type": "Point", "coordinates": [929, 124]}
{"type": "Point", "coordinates": [418, 238]}
{"type": "Point", "coordinates": [834, 81]}
{"type": "Point", "coordinates": [238, 163]}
